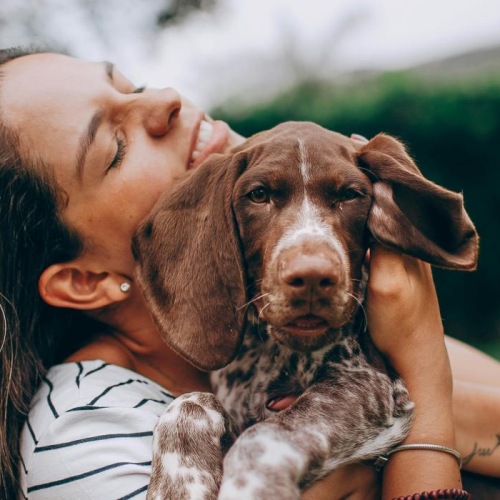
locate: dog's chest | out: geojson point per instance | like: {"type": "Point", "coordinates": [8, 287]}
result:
{"type": "Point", "coordinates": [264, 370]}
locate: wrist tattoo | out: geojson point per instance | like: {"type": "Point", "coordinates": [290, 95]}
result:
{"type": "Point", "coordinates": [477, 451]}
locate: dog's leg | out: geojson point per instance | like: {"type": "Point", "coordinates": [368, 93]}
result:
{"type": "Point", "coordinates": [354, 417]}
{"type": "Point", "coordinates": [189, 444]}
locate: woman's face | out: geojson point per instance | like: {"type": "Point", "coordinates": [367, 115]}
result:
{"type": "Point", "coordinates": [113, 147]}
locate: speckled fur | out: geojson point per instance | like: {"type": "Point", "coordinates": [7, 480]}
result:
{"type": "Point", "coordinates": [328, 198]}
{"type": "Point", "coordinates": [348, 411]}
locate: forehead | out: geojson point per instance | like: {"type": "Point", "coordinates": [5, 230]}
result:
{"type": "Point", "coordinates": [49, 83]}
{"type": "Point", "coordinates": [48, 98]}
{"type": "Point", "coordinates": [38, 80]}
{"type": "Point", "coordinates": [305, 151]}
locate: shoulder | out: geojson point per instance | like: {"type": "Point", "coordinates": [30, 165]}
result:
{"type": "Point", "coordinates": [107, 349]}
{"type": "Point", "coordinates": [98, 384]}
{"type": "Point", "coordinates": [90, 424]}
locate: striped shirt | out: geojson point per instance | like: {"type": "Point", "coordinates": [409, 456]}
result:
{"type": "Point", "coordinates": [89, 433]}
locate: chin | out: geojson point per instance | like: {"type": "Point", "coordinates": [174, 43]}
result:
{"type": "Point", "coordinates": [309, 341]}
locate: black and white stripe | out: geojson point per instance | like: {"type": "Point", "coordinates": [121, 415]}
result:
{"type": "Point", "coordinates": [89, 433]}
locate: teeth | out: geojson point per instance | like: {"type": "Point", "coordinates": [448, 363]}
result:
{"type": "Point", "coordinates": [205, 132]}
{"type": "Point", "coordinates": [204, 135]}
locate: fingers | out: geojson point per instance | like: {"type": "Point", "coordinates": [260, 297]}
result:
{"type": "Point", "coordinates": [402, 307]}
{"type": "Point", "coordinates": [388, 276]}
{"type": "Point", "coordinates": [391, 272]}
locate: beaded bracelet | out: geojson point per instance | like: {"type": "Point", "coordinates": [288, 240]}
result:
{"type": "Point", "coordinates": [447, 494]}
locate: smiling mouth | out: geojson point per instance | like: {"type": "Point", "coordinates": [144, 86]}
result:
{"type": "Point", "coordinates": [212, 137]}
{"type": "Point", "coordinates": [307, 326]}
{"type": "Point", "coordinates": [204, 134]}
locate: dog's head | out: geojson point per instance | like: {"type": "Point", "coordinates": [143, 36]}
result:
{"type": "Point", "coordinates": [283, 222]}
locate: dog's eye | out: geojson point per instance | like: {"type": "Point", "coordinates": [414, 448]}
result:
{"type": "Point", "coordinates": [346, 195]}
{"type": "Point", "coordinates": [350, 194]}
{"type": "Point", "coordinates": [259, 195]}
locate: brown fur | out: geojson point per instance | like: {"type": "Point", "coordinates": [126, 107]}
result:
{"type": "Point", "coordinates": [237, 257]}
{"type": "Point", "coordinates": [204, 244]}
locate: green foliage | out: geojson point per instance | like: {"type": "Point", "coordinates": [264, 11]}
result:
{"type": "Point", "coordinates": [453, 131]}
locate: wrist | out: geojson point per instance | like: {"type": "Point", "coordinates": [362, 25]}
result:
{"type": "Point", "coordinates": [433, 417]}
{"type": "Point", "coordinates": [420, 355]}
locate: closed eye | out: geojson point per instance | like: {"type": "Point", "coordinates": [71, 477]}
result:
{"type": "Point", "coordinates": [121, 151]}
{"type": "Point", "coordinates": [139, 90]}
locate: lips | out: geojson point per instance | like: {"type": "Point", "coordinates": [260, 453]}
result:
{"type": "Point", "coordinates": [212, 138]}
{"type": "Point", "coordinates": [307, 326]}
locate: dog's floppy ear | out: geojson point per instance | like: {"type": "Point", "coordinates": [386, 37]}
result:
{"type": "Point", "coordinates": [190, 265]}
{"type": "Point", "coordinates": [412, 214]}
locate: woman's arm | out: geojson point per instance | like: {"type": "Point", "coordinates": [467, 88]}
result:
{"type": "Point", "coordinates": [476, 407]}
{"type": "Point", "coordinates": [405, 324]}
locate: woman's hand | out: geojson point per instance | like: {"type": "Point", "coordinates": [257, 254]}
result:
{"type": "Point", "coordinates": [405, 324]}
{"type": "Point", "coordinates": [402, 307]}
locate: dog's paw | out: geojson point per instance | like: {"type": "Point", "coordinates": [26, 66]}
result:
{"type": "Point", "coordinates": [189, 444]}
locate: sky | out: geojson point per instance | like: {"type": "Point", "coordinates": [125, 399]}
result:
{"type": "Point", "coordinates": [243, 49]}
{"type": "Point", "coordinates": [249, 49]}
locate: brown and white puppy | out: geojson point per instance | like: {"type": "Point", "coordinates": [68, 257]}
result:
{"type": "Point", "coordinates": [253, 266]}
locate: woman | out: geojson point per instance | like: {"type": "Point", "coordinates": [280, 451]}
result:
{"type": "Point", "coordinates": [84, 156]}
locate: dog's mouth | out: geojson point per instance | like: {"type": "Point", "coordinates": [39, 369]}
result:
{"type": "Point", "coordinates": [309, 325]}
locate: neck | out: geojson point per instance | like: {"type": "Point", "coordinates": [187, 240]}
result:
{"type": "Point", "coordinates": [135, 343]}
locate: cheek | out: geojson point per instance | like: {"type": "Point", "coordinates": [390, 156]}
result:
{"type": "Point", "coordinates": [142, 190]}
{"type": "Point", "coordinates": [352, 225]}
{"type": "Point", "coordinates": [254, 223]}
{"type": "Point", "coordinates": [152, 165]}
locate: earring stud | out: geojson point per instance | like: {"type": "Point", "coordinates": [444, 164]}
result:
{"type": "Point", "coordinates": [125, 287]}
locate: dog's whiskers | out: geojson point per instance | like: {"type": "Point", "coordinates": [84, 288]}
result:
{"type": "Point", "coordinates": [262, 310]}
{"type": "Point", "coordinates": [360, 303]}
{"type": "Point", "coordinates": [253, 300]}
{"type": "Point", "coordinates": [259, 318]}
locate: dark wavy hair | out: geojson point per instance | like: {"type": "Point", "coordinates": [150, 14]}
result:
{"type": "Point", "coordinates": [33, 335]}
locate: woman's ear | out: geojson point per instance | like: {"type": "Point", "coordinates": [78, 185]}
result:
{"type": "Point", "coordinates": [72, 286]}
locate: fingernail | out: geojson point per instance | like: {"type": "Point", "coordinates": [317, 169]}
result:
{"type": "Point", "coordinates": [359, 138]}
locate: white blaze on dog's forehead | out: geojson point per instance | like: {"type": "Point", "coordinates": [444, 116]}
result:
{"type": "Point", "coordinates": [304, 164]}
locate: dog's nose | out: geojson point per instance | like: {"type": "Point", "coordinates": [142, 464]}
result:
{"type": "Point", "coordinates": [310, 273]}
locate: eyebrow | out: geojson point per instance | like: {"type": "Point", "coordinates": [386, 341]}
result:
{"type": "Point", "coordinates": [88, 137]}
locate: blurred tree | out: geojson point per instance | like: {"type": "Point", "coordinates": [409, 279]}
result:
{"type": "Point", "coordinates": [177, 10]}
{"type": "Point", "coordinates": [452, 130]}
{"type": "Point", "coordinates": [92, 27]}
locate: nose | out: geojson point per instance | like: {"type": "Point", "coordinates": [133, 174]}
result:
{"type": "Point", "coordinates": [161, 108]}
{"type": "Point", "coordinates": [311, 273]}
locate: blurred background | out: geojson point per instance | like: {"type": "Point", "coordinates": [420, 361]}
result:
{"type": "Point", "coordinates": [425, 71]}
